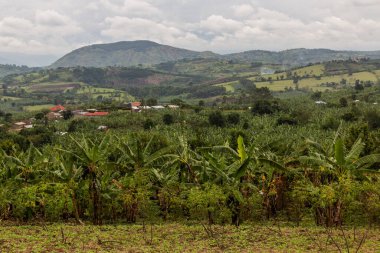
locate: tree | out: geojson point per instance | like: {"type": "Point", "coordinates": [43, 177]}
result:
{"type": "Point", "coordinates": [233, 118]}
{"type": "Point", "coordinates": [67, 114]}
{"type": "Point", "coordinates": [151, 102]}
{"type": "Point", "coordinates": [358, 86]}
{"type": "Point", "coordinates": [216, 119]}
{"type": "Point", "coordinates": [343, 102]}
{"type": "Point", "coordinates": [168, 119]}
{"type": "Point", "coordinates": [262, 107]}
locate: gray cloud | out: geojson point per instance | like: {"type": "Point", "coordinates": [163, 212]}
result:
{"type": "Point", "coordinates": [56, 27]}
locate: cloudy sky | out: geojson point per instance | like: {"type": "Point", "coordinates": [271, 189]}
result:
{"type": "Point", "coordinates": [55, 27]}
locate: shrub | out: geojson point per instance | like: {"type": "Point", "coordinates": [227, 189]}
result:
{"type": "Point", "coordinates": [233, 118]}
{"type": "Point", "coordinates": [217, 119]}
{"type": "Point", "coordinates": [262, 107]}
{"type": "Point", "coordinates": [286, 120]}
{"type": "Point", "coordinates": [149, 124]}
{"type": "Point", "coordinates": [168, 119]}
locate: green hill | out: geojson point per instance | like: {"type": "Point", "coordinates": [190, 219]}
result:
{"type": "Point", "coordinates": [126, 53]}
{"type": "Point", "coordinates": [301, 56]}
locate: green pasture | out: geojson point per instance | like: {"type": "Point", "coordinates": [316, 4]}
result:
{"type": "Point", "coordinates": [309, 83]}
{"type": "Point", "coordinates": [36, 108]}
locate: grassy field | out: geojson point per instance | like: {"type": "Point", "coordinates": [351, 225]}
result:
{"type": "Point", "coordinates": [181, 238]}
{"type": "Point", "coordinates": [52, 87]}
{"type": "Point", "coordinates": [89, 89]}
{"type": "Point", "coordinates": [35, 108]}
{"type": "Point", "coordinates": [8, 98]}
{"type": "Point", "coordinates": [310, 83]}
{"type": "Point", "coordinates": [230, 86]}
{"type": "Point", "coordinates": [316, 70]}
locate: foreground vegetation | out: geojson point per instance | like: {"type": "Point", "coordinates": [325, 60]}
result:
{"type": "Point", "coordinates": [185, 238]}
{"type": "Point", "coordinates": [247, 172]}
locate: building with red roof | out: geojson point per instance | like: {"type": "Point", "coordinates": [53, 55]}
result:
{"type": "Point", "coordinates": [57, 108]}
{"type": "Point", "coordinates": [94, 114]}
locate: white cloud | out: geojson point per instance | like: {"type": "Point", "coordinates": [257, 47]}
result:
{"type": "Point", "coordinates": [220, 24]}
{"type": "Point", "coordinates": [131, 8]}
{"type": "Point", "coordinates": [51, 18]}
{"type": "Point", "coordinates": [223, 26]}
{"type": "Point", "coordinates": [243, 10]}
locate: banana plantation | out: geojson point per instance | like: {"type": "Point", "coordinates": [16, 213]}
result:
{"type": "Point", "coordinates": [302, 163]}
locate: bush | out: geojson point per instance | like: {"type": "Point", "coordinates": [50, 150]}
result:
{"type": "Point", "coordinates": [287, 120]}
{"type": "Point", "coordinates": [168, 119]}
{"type": "Point", "coordinates": [149, 124]}
{"type": "Point", "coordinates": [262, 107]}
{"type": "Point", "coordinates": [233, 118]}
{"type": "Point", "coordinates": [373, 119]}
{"type": "Point", "coordinates": [343, 102]}
{"type": "Point", "coordinates": [217, 119]}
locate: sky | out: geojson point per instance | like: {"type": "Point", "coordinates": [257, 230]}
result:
{"type": "Point", "coordinates": [48, 29]}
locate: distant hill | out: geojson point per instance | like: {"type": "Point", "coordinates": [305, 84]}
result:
{"type": "Point", "coordinates": [8, 69]}
{"type": "Point", "coordinates": [132, 53]}
{"type": "Point", "coordinates": [126, 53]}
{"type": "Point", "coordinates": [301, 56]}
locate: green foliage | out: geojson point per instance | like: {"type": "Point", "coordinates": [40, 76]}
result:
{"type": "Point", "coordinates": [217, 119]}
{"type": "Point", "coordinates": [262, 107]}
{"type": "Point", "coordinates": [168, 119]}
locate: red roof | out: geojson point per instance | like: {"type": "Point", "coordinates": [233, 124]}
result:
{"type": "Point", "coordinates": [137, 104]}
{"type": "Point", "coordinates": [57, 108]}
{"type": "Point", "coordinates": [96, 114]}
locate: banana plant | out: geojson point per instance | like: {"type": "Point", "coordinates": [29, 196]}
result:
{"type": "Point", "coordinates": [340, 160]}
{"type": "Point", "coordinates": [236, 172]}
{"type": "Point", "coordinates": [333, 166]}
{"type": "Point", "coordinates": [68, 173]}
{"type": "Point", "coordinates": [137, 156]}
{"type": "Point", "coordinates": [185, 162]}
{"type": "Point", "coordinates": [93, 158]}
{"type": "Point", "coordinates": [25, 166]}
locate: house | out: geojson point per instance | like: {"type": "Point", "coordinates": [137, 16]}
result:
{"type": "Point", "coordinates": [20, 124]}
{"type": "Point", "coordinates": [145, 107]}
{"type": "Point", "coordinates": [57, 108]}
{"type": "Point", "coordinates": [158, 107]}
{"type": "Point", "coordinates": [103, 128]}
{"type": "Point", "coordinates": [132, 105]}
{"type": "Point", "coordinates": [320, 102]}
{"type": "Point", "coordinates": [173, 106]}
{"type": "Point", "coordinates": [54, 115]}
{"type": "Point", "coordinates": [95, 114]}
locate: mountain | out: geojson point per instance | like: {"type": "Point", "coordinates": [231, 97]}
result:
{"type": "Point", "coordinates": [301, 56]}
{"type": "Point", "coordinates": [127, 53]}
{"type": "Point", "coordinates": [132, 53]}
